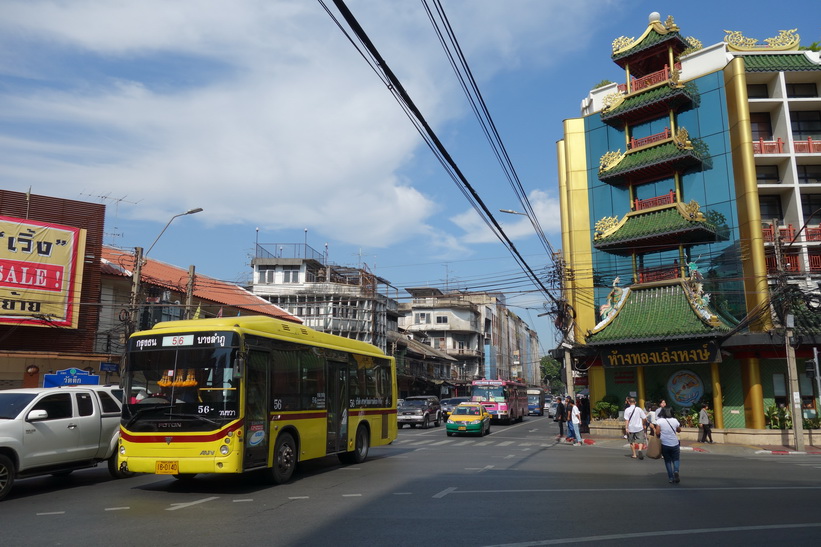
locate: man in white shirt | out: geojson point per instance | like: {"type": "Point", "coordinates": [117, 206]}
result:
{"type": "Point", "coordinates": [635, 423]}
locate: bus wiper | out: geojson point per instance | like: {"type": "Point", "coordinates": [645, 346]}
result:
{"type": "Point", "coordinates": [144, 410]}
{"type": "Point", "coordinates": [197, 416]}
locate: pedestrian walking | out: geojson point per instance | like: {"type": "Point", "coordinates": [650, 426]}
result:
{"type": "Point", "coordinates": [705, 425]}
{"type": "Point", "coordinates": [667, 430]}
{"type": "Point", "coordinates": [572, 437]}
{"type": "Point", "coordinates": [635, 421]}
{"type": "Point", "coordinates": [576, 420]}
{"type": "Point", "coordinates": [560, 417]}
{"type": "Point", "coordinates": [652, 420]}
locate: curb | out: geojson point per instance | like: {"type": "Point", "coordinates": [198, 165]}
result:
{"type": "Point", "coordinates": [786, 453]}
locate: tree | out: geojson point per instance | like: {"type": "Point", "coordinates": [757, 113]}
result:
{"type": "Point", "coordinates": [551, 371]}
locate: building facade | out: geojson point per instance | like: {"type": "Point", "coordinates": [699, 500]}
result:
{"type": "Point", "coordinates": [690, 197]}
{"type": "Point", "coordinates": [477, 329]}
{"type": "Point", "coordinates": [349, 302]}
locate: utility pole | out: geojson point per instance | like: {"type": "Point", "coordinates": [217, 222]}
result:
{"type": "Point", "coordinates": [134, 310]}
{"type": "Point", "coordinates": [189, 292]}
{"type": "Point", "coordinates": [793, 390]}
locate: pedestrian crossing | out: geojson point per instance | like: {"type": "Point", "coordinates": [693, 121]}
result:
{"type": "Point", "coordinates": [810, 461]}
{"type": "Point", "coordinates": [478, 441]}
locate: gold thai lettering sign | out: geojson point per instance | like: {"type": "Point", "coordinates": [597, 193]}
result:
{"type": "Point", "coordinates": [650, 355]}
{"type": "Point", "coordinates": [41, 273]}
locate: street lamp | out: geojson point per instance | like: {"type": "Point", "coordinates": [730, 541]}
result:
{"type": "Point", "coordinates": [139, 258]}
{"type": "Point", "coordinates": [189, 212]}
{"type": "Point", "coordinates": [512, 212]}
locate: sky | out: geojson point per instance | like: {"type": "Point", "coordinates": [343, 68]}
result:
{"type": "Point", "coordinates": [263, 114]}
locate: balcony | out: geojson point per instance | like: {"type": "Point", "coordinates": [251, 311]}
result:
{"type": "Point", "coordinates": [777, 146]}
{"type": "Point", "coordinates": [808, 146]}
{"type": "Point", "coordinates": [787, 233]}
{"type": "Point", "coordinates": [792, 263]}
{"type": "Point", "coordinates": [666, 199]}
{"type": "Point", "coordinates": [637, 84]}
{"type": "Point", "coordinates": [768, 147]}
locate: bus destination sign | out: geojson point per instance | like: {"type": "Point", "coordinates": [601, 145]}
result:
{"type": "Point", "coordinates": [192, 340]}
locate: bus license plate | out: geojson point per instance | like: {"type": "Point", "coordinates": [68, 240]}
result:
{"type": "Point", "coordinates": [167, 468]}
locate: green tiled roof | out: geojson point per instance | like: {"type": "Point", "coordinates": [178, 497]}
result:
{"type": "Point", "coordinates": [661, 95]}
{"type": "Point", "coordinates": [648, 157]}
{"type": "Point", "coordinates": [778, 62]}
{"type": "Point", "coordinates": [653, 313]}
{"type": "Point", "coordinates": [653, 38]}
{"type": "Point", "coordinates": [666, 226]}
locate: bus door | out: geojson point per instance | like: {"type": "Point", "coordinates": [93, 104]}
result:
{"type": "Point", "coordinates": [256, 410]}
{"type": "Point", "coordinates": [337, 405]}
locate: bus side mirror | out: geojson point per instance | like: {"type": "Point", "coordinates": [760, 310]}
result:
{"type": "Point", "coordinates": [239, 365]}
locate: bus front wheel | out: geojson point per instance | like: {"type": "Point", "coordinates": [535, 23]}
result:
{"type": "Point", "coordinates": [285, 457]}
{"type": "Point", "coordinates": [360, 451]}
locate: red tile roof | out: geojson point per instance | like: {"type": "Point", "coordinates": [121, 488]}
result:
{"type": "Point", "coordinates": [118, 262]}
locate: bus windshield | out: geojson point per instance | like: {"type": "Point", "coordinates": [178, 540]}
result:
{"type": "Point", "coordinates": [496, 394]}
{"type": "Point", "coordinates": [193, 387]}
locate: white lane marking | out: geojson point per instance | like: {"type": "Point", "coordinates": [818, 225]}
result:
{"type": "Point", "coordinates": [506, 443]}
{"type": "Point", "coordinates": [351, 495]}
{"type": "Point", "coordinates": [445, 492]}
{"type": "Point", "coordinates": [447, 441]}
{"type": "Point", "coordinates": [403, 493]}
{"type": "Point", "coordinates": [189, 504]}
{"type": "Point", "coordinates": [661, 533]}
{"type": "Point", "coordinates": [246, 500]}
{"type": "Point", "coordinates": [463, 443]}
{"type": "Point", "coordinates": [117, 508]}
{"type": "Point", "coordinates": [485, 443]}
{"type": "Point", "coordinates": [51, 513]}
{"type": "Point", "coordinates": [299, 497]}
{"type": "Point", "coordinates": [417, 443]}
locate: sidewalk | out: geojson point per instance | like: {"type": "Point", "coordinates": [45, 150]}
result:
{"type": "Point", "coordinates": [715, 448]}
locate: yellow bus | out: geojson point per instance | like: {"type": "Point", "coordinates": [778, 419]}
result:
{"type": "Point", "coordinates": [239, 394]}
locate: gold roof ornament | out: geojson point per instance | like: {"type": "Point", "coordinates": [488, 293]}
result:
{"type": "Point", "coordinates": [693, 211]}
{"type": "Point", "coordinates": [682, 139]}
{"type": "Point", "coordinates": [609, 160]}
{"type": "Point", "coordinates": [787, 40]}
{"type": "Point", "coordinates": [613, 100]}
{"type": "Point", "coordinates": [623, 43]}
{"type": "Point", "coordinates": [605, 226]}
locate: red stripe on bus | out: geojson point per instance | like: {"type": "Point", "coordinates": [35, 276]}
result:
{"type": "Point", "coordinates": [205, 438]}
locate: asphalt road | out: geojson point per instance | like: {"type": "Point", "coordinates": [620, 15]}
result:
{"type": "Point", "coordinates": [513, 487]}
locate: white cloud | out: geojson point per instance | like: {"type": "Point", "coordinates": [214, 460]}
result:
{"type": "Point", "coordinates": [515, 226]}
{"type": "Point", "coordinates": [259, 112]}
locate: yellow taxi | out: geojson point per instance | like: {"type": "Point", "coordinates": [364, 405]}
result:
{"type": "Point", "coordinates": [469, 418]}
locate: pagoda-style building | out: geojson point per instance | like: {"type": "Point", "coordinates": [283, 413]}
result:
{"type": "Point", "coordinates": [669, 293]}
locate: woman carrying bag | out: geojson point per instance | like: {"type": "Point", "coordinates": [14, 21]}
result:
{"type": "Point", "coordinates": [667, 430]}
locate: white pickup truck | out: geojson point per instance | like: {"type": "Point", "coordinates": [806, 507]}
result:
{"type": "Point", "coordinates": [57, 430]}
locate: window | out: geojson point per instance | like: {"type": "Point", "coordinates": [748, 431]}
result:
{"type": "Point", "coordinates": [761, 126]}
{"type": "Point", "coordinates": [422, 318]}
{"type": "Point", "coordinates": [770, 208]}
{"type": "Point", "coordinates": [290, 274]}
{"type": "Point", "coordinates": [802, 90]}
{"type": "Point", "coordinates": [805, 123]}
{"type": "Point", "coordinates": [58, 406]}
{"type": "Point", "coordinates": [757, 91]}
{"type": "Point", "coordinates": [767, 174]}
{"type": "Point", "coordinates": [84, 405]}
{"type": "Point", "coordinates": [810, 203]}
{"type": "Point", "coordinates": [266, 274]}
{"type": "Point", "coordinates": [109, 404]}
{"type": "Point", "coordinates": [809, 174]}
{"type": "Point", "coordinates": [441, 319]}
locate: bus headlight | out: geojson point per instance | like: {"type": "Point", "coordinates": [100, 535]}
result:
{"type": "Point", "coordinates": [122, 450]}
{"type": "Point", "coordinates": [225, 449]}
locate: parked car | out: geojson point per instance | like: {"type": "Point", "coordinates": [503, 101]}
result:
{"type": "Point", "coordinates": [469, 418]}
{"type": "Point", "coordinates": [552, 411]}
{"type": "Point", "coordinates": [449, 404]}
{"type": "Point", "coordinates": [419, 410]}
{"type": "Point", "coordinates": [57, 430]}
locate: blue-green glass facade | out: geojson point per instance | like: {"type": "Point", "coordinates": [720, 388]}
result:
{"type": "Point", "coordinates": [712, 186]}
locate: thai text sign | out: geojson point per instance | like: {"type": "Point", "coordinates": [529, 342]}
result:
{"type": "Point", "coordinates": [41, 273]}
{"type": "Point", "coordinates": [670, 354]}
